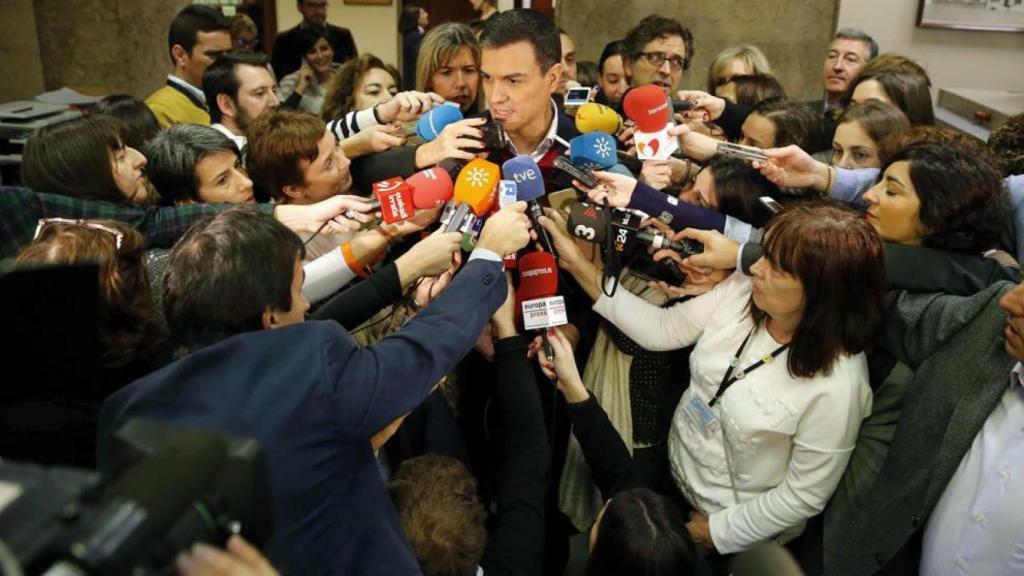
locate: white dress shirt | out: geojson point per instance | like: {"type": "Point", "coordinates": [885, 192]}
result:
{"type": "Point", "coordinates": [783, 443]}
{"type": "Point", "coordinates": [238, 140]}
{"type": "Point", "coordinates": [977, 526]}
{"type": "Point", "coordinates": [549, 138]}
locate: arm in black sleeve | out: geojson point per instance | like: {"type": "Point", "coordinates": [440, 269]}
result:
{"type": "Point", "coordinates": [610, 463]}
{"type": "Point", "coordinates": [919, 269]}
{"type": "Point", "coordinates": [732, 119]}
{"type": "Point", "coordinates": [360, 302]}
{"type": "Point", "coordinates": [515, 544]}
{"type": "Point", "coordinates": [379, 166]}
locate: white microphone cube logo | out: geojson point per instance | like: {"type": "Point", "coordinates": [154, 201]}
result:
{"type": "Point", "coordinates": [477, 177]}
{"type": "Point", "coordinates": [602, 149]}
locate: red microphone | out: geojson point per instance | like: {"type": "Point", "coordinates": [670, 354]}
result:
{"type": "Point", "coordinates": [431, 188]}
{"type": "Point", "coordinates": [537, 293]}
{"type": "Point", "coordinates": [647, 106]}
{"type": "Point", "coordinates": [395, 198]}
{"type": "Point", "coordinates": [651, 110]}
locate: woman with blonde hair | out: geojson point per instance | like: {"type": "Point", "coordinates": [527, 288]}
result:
{"type": "Point", "coordinates": [449, 65]}
{"type": "Point", "coordinates": [736, 61]}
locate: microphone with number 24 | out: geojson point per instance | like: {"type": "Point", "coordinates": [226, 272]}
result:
{"type": "Point", "coordinates": [590, 223]}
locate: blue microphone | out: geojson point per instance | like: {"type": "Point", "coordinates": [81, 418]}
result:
{"type": "Point", "coordinates": [524, 171]}
{"type": "Point", "coordinates": [433, 122]}
{"type": "Point", "coordinates": [593, 151]}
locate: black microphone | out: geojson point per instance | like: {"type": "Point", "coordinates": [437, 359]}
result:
{"type": "Point", "coordinates": [590, 223]}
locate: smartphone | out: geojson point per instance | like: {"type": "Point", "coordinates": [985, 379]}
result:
{"type": "Point", "coordinates": [744, 152]}
{"type": "Point", "coordinates": [578, 96]}
{"type": "Point", "coordinates": [771, 204]}
{"type": "Point", "coordinates": [562, 163]}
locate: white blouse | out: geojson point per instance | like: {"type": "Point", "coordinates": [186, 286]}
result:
{"type": "Point", "coordinates": [783, 443]}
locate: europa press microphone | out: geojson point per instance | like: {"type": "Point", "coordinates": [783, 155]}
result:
{"type": "Point", "coordinates": [523, 170]}
{"type": "Point", "coordinates": [541, 306]}
{"type": "Point", "coordinates": [474, 191]}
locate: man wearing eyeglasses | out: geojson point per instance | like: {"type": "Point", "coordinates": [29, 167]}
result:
{"type": "Point", "coordinates": [287, 57]}
{"type": "Point", "coordinates": [657, 50]}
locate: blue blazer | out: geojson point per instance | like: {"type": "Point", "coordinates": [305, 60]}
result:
{"type": "Point", "coordinates": [313, 397]}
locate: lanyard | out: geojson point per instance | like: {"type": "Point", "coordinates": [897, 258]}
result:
{"type": "Point", "coordinates": [729, 379]}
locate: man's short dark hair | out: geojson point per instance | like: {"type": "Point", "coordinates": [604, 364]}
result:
{"type": "Point", "coordinates": [192, 20]}
{"type": "Point", "coordinates": [220, 78]}
{"type": "Point", "coordinates": [795, 123]}
{"type": "Point", "coordinates": [224, 273]}
{"type": "Point", "coordinates": [855, 34]}
{"type": "Point", "coordinates": [524, 25]}
{"type": "Point", "coordinates": [651, 28]}
{"type": "Point", "coordinates": [172, 156]}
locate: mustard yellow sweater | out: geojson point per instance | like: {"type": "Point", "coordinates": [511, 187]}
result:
{"type": "Point", "coordinates": [172, 107]}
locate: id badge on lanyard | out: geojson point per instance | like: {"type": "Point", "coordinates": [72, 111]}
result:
{"type": "Point", "coordinates": [701, 414]}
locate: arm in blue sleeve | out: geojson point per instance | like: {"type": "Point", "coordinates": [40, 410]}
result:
{"type": "Point", "coordinates": [850, 185]}
{"type": "Point", "coordinates": [676, 214]}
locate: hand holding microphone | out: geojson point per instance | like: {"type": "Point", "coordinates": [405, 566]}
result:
{"type": "Point", "coordinates": [613, 189]}
{"type": "Point", "coordinates": [428, 257]}
{"type": "Point", "coordinates": [704, 106]}
{"type": "Point", "coordinates": [561, 367]}
{"type": "Point", "coordinates": [459, 140]}
{"type": "Point", "coordinates": [406, 106]}
{"type": "Point", "coordinates": [506, 231]}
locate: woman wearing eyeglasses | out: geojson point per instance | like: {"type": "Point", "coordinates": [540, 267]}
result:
{"type": "Point", "coordinates": [129, 335]}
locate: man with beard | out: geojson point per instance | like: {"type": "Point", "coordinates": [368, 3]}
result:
{"type": "Point", "coordinates": [238, 88]}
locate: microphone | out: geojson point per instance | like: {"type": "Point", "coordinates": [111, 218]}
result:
{"type": "Point", "coordinates": [474, 191]}
{"type": "Point", "coordinates": [591, 223]}
{"type": "Point", "coordinates": [430, 125]}
{"type": "Point", "coordinates": [593, 151]}
{"type": "Point", "coordinates": [524, 171]}
{"type": "Point", "coordinates": [649, 109]}
{"type": "Point", "coordinates": [594, 117]}
{"type": "Point", "coordinates": [430, 188]}
{"type": "Point", "coordinates": [677, 105]}
{"type": "Point", "coordinates": [539, 303]}
{"type": "Point", "coordinates": [393, 197]}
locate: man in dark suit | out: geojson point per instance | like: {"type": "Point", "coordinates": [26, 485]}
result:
{"type": "Point", "coordinates": [287, 58]}
{"type": "Point", "coordinates": [962, 352]}
{"type": "Point", "coordinates": [312, 397]}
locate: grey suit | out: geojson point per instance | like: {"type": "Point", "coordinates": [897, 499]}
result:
{"type": "Point", "coordinates": [955, 345]}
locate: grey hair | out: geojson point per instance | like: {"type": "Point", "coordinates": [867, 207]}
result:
{"type": "Point", "coordinates": [172, 156]}
{"type": "Point", "coordinates": [856, 34]}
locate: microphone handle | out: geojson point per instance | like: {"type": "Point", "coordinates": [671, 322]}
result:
{"type": "Point", "coordinates": [456, 222]}
{"type": "Point", "coordinates": [660, 242]}
{"type": "Point", "coordinates": [535, 212]}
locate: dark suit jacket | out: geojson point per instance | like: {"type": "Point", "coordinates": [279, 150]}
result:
{"type": "Point", "coordinates": [955, 346]}
{"type": "Point", "coordinates": [313, 398]}
{"type": "Point", "coordinates": [287, 58]}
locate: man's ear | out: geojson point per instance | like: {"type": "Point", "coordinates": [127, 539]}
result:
{"type": "Point", "coordinates": [294, 191]}
{"type": "Point", "coordinates": [553, 76]}
{"type": "Point", "coordinates": [227, 106]}
{"type": "Point", "coordinates": [179, 55]}
{"type": "Point", "coordinates": [267, 319]}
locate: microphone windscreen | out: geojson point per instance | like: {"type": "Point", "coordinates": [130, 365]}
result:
{"type": "Point", "coordinates": [524, 171]}
{"type": "Point", "coordinates": [594, 117]}
{"type": "Point", "coordinates": [433, 122]}
{"type": "Point", "coordinates": [476, 184]}
{"type": "Point", "coordinates": [616, 169]}
{"type": "Point", "coordinates": [430, 188]}
{"type": "Point", "coordinates": [587, 222]}
{"type": "Point", "coordinates": [538, 276]}
{"type": "Point", "coordinates": [593, 151]}
{"type": "Point", "coordinates": [394, 197]}
{"type": "Point", "coordinates": [647, 106]}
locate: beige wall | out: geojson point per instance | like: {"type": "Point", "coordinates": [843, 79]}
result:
{"type": "Point", "coordinates": [793, 33]}
{"type": "Point", "coordinates": [20, 64]}
{"type": "Point", "coordinates": [375, 28]}
{"type": "Point", "coordinates": [953, 58]}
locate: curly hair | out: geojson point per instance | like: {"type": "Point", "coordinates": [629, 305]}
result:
{"type": "Point", "coordinates": [964, 207]}
{"type": "Point", "coordinates": [437, 502]}
{"type": "Point", "coordinates": [128, 324]}
{"type": "Point", "coordinates": [340, 98]}
{"type": "Point", "coordinates": [1007, 145]}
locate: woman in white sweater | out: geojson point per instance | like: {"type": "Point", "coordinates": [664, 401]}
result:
{"type": "Point", "coordinates": [779, 381]}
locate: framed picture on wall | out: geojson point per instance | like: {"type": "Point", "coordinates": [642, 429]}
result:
{"type": "Point", "coordinates": [987, 15]}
